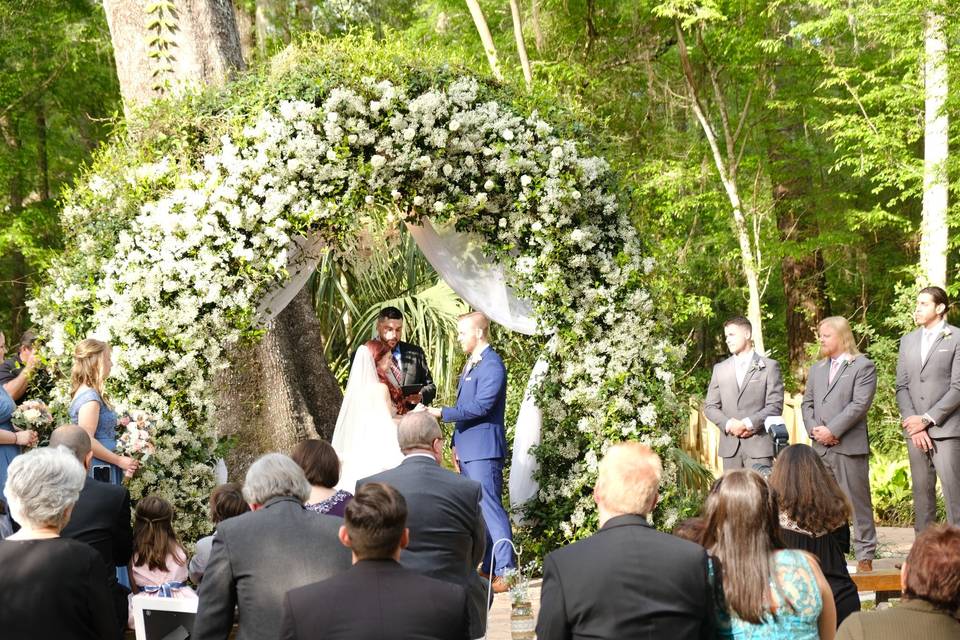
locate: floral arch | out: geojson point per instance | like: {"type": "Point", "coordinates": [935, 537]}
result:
{"type": "Point", "coordinates": [185, 221]}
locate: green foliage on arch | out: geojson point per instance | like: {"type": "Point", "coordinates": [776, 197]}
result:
{"type": "Point", "coordinates": [183, 223]}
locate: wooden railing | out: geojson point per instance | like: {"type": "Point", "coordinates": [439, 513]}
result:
{"type": "Point", "coordinates": [703, 437]}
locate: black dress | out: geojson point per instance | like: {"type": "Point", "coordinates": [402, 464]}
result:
{"type": "Point", "coordinates": [829, 549]}
{"type": "Point", "coordinates": [54, 588]}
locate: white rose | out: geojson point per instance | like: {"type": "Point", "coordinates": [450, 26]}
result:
{"type": "Point", "coordinates": [525, 180]}
{"type": "Point", "coordinates": [417, 201]}
{"type": "Point", "coordinates": [377, 161]}
{"type": "Point", "coordinates": [454, 125]}
{"type": "Point", "coordinates": [488, 185]}
{"type": "Point", "coordinates": [507, 135]}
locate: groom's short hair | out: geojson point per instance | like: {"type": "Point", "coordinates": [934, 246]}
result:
{"type": "Point", "coordinates": [479, 320]}
{"type": "Point", "coordinates": [375, 520]}
{"type": "Point", "coordinates": [418, 430]}
{"type": "Point", "coordinates": [390, 313]}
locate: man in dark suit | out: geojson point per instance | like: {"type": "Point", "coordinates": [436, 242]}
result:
{"type": "Point", "coordinates": [15, 372]}
{"type": "Point", "coordinates": [928, 395]}
{"type": "Point", "coordinates": [745, 390]}
{"type": "Point", "coordinates": [479, 439]}
{"type": "Point", "coordinates": [840, 390]}
{"type": "Point", "coordinates": [409, 362]}
{"type": "Point", "coordinates": [377, 598]}
{"type": "Point", "coordinates": [627, 580]}
{"type": "Point", "coordinates": [447, 532]}
{"type": "Point", "coordinates": [100, 517]}
{"type": "Point", "coordinates": [258, 556]}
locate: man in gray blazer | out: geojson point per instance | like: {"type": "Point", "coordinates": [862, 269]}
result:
{"type": "Point", "coordinates": [840, 390]}
{"type": "Point", "coordinates": [928, 394]}
{"type": "Point", "coordinates": [258, 556]}
{"type": "Point", "coordinates": [745, 390]}
{"type": "Point", "coordinates": [447, 530]}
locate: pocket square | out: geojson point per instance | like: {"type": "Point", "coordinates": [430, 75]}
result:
{"type": "Point", "coordinates": [467, 379]}
{"type": "Point", "coordinates": [942, 350]}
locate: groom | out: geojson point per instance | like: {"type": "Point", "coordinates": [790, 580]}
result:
{"type": "Point", "coordinates": [479, 441]}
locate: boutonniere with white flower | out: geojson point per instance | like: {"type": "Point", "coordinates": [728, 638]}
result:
{"type": "Point", "coordinates": [945, 334]}
{"type": "Point", "coordinates": [758, 365]}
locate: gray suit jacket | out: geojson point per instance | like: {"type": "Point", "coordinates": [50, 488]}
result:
{"type": "Point", "coordinates": [760, 398]}
{"type": "Point", "coordinates": [931, 387]}
{"type": "Point", "coordinates": [841, 406]}
{"type": "Point", "coordinates": [256, 558]}
{"type": "Point", "coordinates": [447, 531]}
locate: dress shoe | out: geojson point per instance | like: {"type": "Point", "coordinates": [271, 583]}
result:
{"type": "Point", "coordinates": [864, 566]}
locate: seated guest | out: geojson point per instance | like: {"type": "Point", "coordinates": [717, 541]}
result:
{"type": "Point", "coordinates": [447, 531]}
{"type": "Point", "coordinates": [690, 529]}
{"type": "Point", "coordinates": [814, 512]}
{"type": "Point", "coordinates": [258, 556]}
{"type": "Point", "coordinates": [226, 501]}
{"type": "Point", "coordinates": [377, 598]}
{"type": "Point", "coordinates": [627, 580]}
{"type": "Point", "coordinates": [101, 516]}
{"type": "Point", "coordinates": [15, 372]}
{"type": "Point", "coordinates": [930, 579]}
{"type": "Point", "coordinates": [322, 467]}
{"type": "Point", "coordinates": [50, 587]}
{"type": "Point", "coordinates": [159, 562]}
{"type": "Point", "coordinates": [769, 592]}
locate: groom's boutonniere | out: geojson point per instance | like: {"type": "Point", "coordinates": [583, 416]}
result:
{"type": "Point", "coordinates": [945, 334]}
{"type": "Point", "coordinates": [758, 365]}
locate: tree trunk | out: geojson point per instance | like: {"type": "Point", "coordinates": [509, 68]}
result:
{"type": "Point", "coordinates": [521, 46]}
{"type": "Point", "coordinates": [180, 44]}
{"type": "Point", "coordinates": [247, 30]}
{"type": "Point", "coordinates": [538, 39]}
{"type": "Point", "coordinates": [934, 232]}
{"type": "Point", "coordinates": [43, 165]}
{"type": "Point", "coordinates": [491, 50]}
{"type": "Point", "coordinates": [278, 392]}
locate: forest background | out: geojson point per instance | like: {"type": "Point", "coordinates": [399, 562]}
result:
{"type": "Point", "coordinates": [772, 154]}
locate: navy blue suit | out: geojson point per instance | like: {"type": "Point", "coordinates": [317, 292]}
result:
{"type": "Point", "coordinates": [481, 442]}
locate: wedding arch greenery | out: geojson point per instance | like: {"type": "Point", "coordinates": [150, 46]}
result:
{"type": "Point", "coordinates": [183, 222]}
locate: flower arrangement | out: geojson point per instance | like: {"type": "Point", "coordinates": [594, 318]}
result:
{"type": "Point", "coordinates": [33, 415]}
{"type": "Point", "coordinates": [173, 244]}
{"type": "Point", "coordinates": [135, 439]}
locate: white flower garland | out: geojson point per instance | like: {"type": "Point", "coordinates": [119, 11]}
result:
{"type": "Point", "coordinates": [210, 239]}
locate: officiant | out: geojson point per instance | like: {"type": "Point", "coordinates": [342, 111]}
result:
{"type": "Point", "coordinates": [409, 371]}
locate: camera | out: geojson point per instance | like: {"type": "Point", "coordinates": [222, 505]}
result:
{"type": "Point", "coordinates": [777, 429]}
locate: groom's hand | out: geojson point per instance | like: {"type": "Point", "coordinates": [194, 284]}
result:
{"type": "Point", "coordinates": [436, 412]}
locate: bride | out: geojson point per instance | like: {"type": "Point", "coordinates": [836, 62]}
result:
{"type": "Point", "coordinates": [365, 437]}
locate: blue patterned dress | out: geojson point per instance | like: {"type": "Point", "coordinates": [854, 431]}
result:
{"type": "Point", "coordinates": [106, 433]}
{"type": "Point", "coordinates": [7, 451]}
{"type": "Point", "coordinates": [797, 595]}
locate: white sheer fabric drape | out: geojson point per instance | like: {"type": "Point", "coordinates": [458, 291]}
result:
{"type": "Point", "coordinates": [459, 260]}
{"type": "Point", "coordinates": [303, 255]}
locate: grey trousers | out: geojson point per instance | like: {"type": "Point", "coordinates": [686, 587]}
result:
{"type": "Point", "coordinates": [741, 461]}
{"type": "Point", "coordinates": [925, 467]}
{"type": "Point", "coordinates": [853, 475]}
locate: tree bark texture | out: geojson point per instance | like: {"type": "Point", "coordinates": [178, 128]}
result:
{"type": "Point", "coordinates": [936, 136]}
{"type": "Point", "coordinates": [521, 46]}
{"type": "Point", "coordinates": [278, 392]}
{"type": "Point", "coordinates": [484, 31]}
{"type": "Point", "coordinates": [192, 42]}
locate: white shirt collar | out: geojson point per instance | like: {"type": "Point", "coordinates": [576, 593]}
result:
{"type": "Point", "coordinates": [419, 455]}
{"type": "Point", "coordinates": [843, 357]}
{"type": "Point", "coordinates": [744, 358]}
{"type": "Point", "coordinates": [475, 358]}
{"type": "Point", "coordinates": [937, 328]}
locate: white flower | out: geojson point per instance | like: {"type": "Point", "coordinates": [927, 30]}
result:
{"type": "Point", "coordinates": [377, 161]}
{"type": "Point", "coordinates": [417, 201]}
{"type": "Point", "coordinates": [525, 180]}
{"type": "Point", "coordinates": [507, 135]}
{"type": "Point", "coordinates": [488, 185]}
{"type": "Point", "coordinates": [502, 223]}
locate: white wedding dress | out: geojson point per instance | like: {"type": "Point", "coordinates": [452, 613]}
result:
{"type": "Point", "coordinates": [365, 437]}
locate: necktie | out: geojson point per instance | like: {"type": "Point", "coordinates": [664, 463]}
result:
{"type": "Point", "coordinates": [834, 367]}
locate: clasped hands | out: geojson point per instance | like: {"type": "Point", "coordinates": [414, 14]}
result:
{"type": "Point", "coordinates": [736, 427]}
{"type": "Point", "coordinates": [916, 429]}
{"type": "Point", "coordinates": [823, 435]}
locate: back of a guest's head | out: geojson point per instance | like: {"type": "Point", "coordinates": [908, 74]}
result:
{"type": "Point", "coordinates": [418, 430]}
{"type": "Point", "coordinates": [43, 485]}
{"type": "Point", "coordinates": [690, 529]}
{"type": "Point", "coordinates": [319, 462]}
{"type": "Point", "coordinates": [73, 438]}
{"type": "Point", "coordinates": [932, 569]}
{"type": "Point", "coordinates": [226, 501]}
{"type": "Point", "coordinates": [807, 492]}
{"type": "Point", "coordinates": [628, 479]}
{"type": "Point", "coordinates": [375, 521]}
{"type": "Point", "coordinates": [742, 531]}
{"type": "Point", "coordinates": [153, 535]}
{"type": "Point", "coordinates": [275, 475]}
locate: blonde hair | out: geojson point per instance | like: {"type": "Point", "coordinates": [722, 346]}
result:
{"type": "Point", "coordinates": [478, 320]}
{"type": "Point", "coordinates": [629, 478]}
{"type": "Point", "coordinates": [842, 327]}
{"type": "Point", "coordinates": [87, 369]}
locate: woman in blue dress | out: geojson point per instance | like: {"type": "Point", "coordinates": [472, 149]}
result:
{"type": "Point", "coordinates": [91, 410]}
{"type": "Point", "coordinates": [765, 592]}
{"type": "Point", "coordinates": [10, 440]}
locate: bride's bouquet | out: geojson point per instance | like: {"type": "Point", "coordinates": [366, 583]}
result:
{"type": "Point", "coordinates": [135, 440]}
{"type": "Point", "coordinates": [33, 415]}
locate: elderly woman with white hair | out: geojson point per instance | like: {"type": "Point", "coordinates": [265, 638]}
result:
{"type": "Point", "coordinates": [50, 587]}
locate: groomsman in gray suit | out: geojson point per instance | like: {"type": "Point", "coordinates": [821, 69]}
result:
{"type": "Point", "coordinates": [928, 394]}
{"type": "Point", "coordinates": [744, 391]}
{"type": "Point", "coordinates": [840, 390]}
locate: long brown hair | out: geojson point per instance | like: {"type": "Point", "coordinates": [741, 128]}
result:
{"type": "Point", "coordinates": [378, 349]}
{"type": "Point", "coordinates": [742, 532]}
{"type": "Point", "coordinates": [807, 491]}
{"type": "Point", "coordinates": [153, 535]}
{"type": "Point", "coordinates": [88, 357]}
